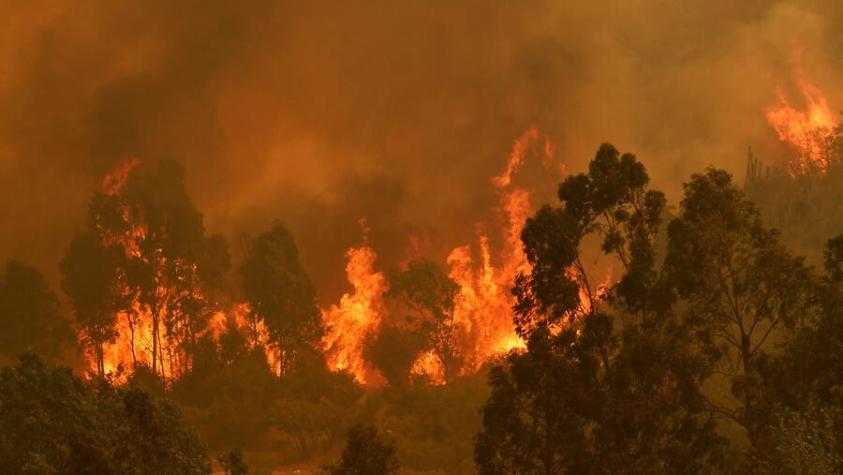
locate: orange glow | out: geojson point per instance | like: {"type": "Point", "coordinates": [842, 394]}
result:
{"type": "Point", "coordinates": [350, 323]}
{"type": "Point", "coordinates": [808, 130]}
{"type": "Point", "coordinates": [135, 344]}
{"type": "Point", "coordinates": [257, 334]}
{"type": "Point", "coordinates": [483, 307]}
{"type": "Point", "coordinates": [428, 366]}
{"type": "Point", "coordinates": [113, 183]}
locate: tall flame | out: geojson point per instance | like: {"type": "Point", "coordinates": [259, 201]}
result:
{"type": "Point", "coordinates": [809, 131]}
{"type": "Point", "coordinates": [358, 316]}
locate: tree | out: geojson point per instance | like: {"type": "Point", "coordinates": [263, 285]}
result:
{"type": "Point", "coordinates": [430, 293]}
{"type": "Point", "coordinates": [536, 418]}
{"type": "Point", "coordinates": [394, 350]}
{"type": "Point", "coordinates": [800, 383]}
{"type": "Point", "coordinates": [55, 422]}
{"type": "Point", "coordinates": [90, 279]}
{"type": "Point", "coordinates": [280, 293]}
{"type": "Point", "coordinates": [166, 264]}
{"type": "Point", "coordinates": [29, 314]}
{"type": "Point", "coordinates": [741, 284]}
{"type": "Point", "coordinates": [232, 463]}
{"type": "Point", "coordinates": [609, 378]}
{"type": "Point", "coordinates": [366, 452]}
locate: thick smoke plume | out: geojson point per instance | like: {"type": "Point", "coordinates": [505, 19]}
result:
{"type": "Point", "coordinates": [323, 113]}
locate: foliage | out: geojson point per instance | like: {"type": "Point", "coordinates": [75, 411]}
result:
{"type": "Point", "coordinates": [90, 278]}
{"type": "Point", "coordinates": [29, 314]}
{"type": "Point", "coordinates": [366, 452]}
{"type": "Point", "coordinates": [145, 243]}
{"type": "Point", "coordinates": [54, 422]}
{"type": "Point", "coordinates": [280, 293]}
{"type": "Point", "coordinates": [394, 350]}
{"type": "Point", "coordinates": [428, 290]}
{"type": "Point", "coordinates": [232, 463]}
{"type": "Point", "coordinates": [620, 388]}
{"type": "Point", "coordinates": [744, 289]}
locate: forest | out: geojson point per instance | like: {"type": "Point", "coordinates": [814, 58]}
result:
{"type": "Point", "coordinates": [537, 237]}
{"type": "Point", "coordinates": [709, 347]}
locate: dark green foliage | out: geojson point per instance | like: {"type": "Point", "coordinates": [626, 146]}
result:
{"type": "Point", "coordinates": [29, 314]}
{"type": "Point", "coordinates": [53, 422]}
{"type": "Point", "coordinates": [366, 452]}
{"type": "Point", "coordinates": [280, 293]}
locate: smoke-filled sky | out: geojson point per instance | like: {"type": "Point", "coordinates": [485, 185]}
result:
{"type": "Point", "coordinates": [321, 113]}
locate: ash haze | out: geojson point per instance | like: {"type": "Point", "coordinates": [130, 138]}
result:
{"type": "Point", "coordinates": [322, 113]}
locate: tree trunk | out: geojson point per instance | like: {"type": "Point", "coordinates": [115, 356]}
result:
{"type": "Point", "coordinates": [155, 345]}
{"type": "Point", "coordinates": [100, 359]}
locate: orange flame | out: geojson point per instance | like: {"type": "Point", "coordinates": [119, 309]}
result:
{"type": "Point", "coordinates": [358, 316]}
{"type": "Point", "coordinates": [483, 306]}
{"type": "Point", "coordinates": [114, 182]}
{"type": "Point", "coordinates": [258, 333]}
{"type": "Point", "coordinates": [133, 345]}
{"type": "Point", "coordinates": [809, 131]}
{"type": "Point", "coordinates": [428, 365]}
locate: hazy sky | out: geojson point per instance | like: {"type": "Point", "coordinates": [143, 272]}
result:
{"type": "Point", "coordinates": [321, 113]}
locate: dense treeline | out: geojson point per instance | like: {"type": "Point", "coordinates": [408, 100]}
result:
{"type": "Point", "coordinates": [53, 422]}
{"type": "Point", "coordinates": [711, 299]}
{"type": "Point", "coordinates": [716, 349]}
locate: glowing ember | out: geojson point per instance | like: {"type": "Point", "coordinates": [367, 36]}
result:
{"type": "Point", "coordinates": [349, 324]}
{"type": "Point", "coordinates": [809, 131]}
{"type": "Point", "coordinates": [428, 365]}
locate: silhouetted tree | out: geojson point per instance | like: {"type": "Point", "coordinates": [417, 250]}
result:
{"type": "Point", "coordinates": [742, 286]}
{"type": "Point", "coordinates": [394, 350]}
{"type": "Point", "coordinates": [90, 278]}
{"type": "Point", "coordinates": [54, 422]}
{"type": "Point", "coordinates": [614, 385]}
{"type": "Point", "coordinates": [800, 383]}
{"type": "Point", "coordinates": [280, 293]}
{"type": "Point", "coordinates": [366, 452]}
{"type": "Point", "coordinates": [430, 293]}
{"type": "Point", "coordinates": [29, 314]}
{"type": "Point", "coordinates": [232, 463]}
{"type": "Point", "coordinates": [167, 262]}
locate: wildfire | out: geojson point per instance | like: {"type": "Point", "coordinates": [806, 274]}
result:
{"type": "Point", "coordinates": [358, 316]}
{"type": "Point", "coordinates": [238, 317]}
{"type": "Point", "coordinates": [152, 330]}
{"type": "Point", "coordinates": [429, 366]}
{"type": "Point", "coordinates": [809, 131]}
{"type": "Point", "coordinates": [481, 323]}
{"type": "Point", "coordinates": [483, 305]}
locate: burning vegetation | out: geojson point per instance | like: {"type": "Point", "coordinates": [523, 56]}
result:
{"type": "Point", "coordinates": [155, 295]}
{"type": "Point", "coordinates": [554, 312]}
{"type": "Point", "coordinates": [811, 130]}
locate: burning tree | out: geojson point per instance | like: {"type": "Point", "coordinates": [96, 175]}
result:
{"type": "Point", "coordinates": [157, 283]}
{"type": "Point", "coordinates": [92, 281]}
{"type": "Point", "coordinates": [430, 294]}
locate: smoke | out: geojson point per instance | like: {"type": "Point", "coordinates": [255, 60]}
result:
{"type": "Point", "coordinates": [322, 113]}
